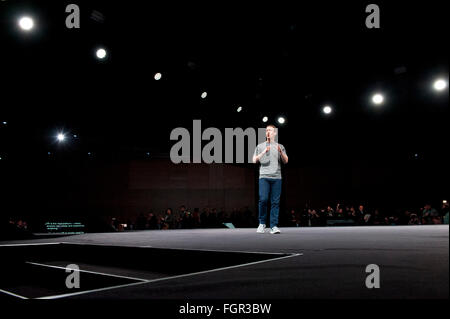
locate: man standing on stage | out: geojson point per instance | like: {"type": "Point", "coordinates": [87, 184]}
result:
{"type": "Point", "coordinates": [270, 155]}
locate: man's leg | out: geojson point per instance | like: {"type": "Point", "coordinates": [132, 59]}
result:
{"type": "Point", "coordinates": [264, 189]}
{"type": "Point", "coordinates": [275, 194]}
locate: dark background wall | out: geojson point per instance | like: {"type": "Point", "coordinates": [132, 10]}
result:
{"type": "Point", "coordinates": [125, 189]}
{"type": "Point", "coordinates": [99, 190]}
{"type": "Point", "coordinates": [399, 185]}
{"type": "Point", "coordinates": [162, 184]}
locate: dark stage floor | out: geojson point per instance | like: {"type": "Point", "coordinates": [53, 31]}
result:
{"type": "Point", "coordinates": [300, 263]}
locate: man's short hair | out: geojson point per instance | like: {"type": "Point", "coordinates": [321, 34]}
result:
{"type": "Point", "coordinates": [271, 125]}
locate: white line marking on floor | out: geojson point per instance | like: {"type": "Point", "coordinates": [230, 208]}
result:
{"type": "Point", "coordinates": [223, 251]}
{"type": "Point", "coordinates": [176, 248]}
{"type": "Point", "coordinates": [86, 271]}
{"type": "Point", "coordinates": [36, 244]}
{"type": "Point", "coordinates": [169, 278]}
{"type": "Point", "coordinates": [93, 290]}
{"type": "Point", "coordinates": [13, 294]}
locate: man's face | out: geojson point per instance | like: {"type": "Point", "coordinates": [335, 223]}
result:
{"type": "Point", "coordinates": [270, 132]}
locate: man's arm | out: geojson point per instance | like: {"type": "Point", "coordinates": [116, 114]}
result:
{"type": "Point", "coordinates": [284, 157]}
{"type": "Point", "coordinates": [256, 158]}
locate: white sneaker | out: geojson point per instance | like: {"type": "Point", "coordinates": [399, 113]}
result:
{"type": "Point", "coordinates": [261, 228]}
{"type": "Point", "coordinates": [275, 230]}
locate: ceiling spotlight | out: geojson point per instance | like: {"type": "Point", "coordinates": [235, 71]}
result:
{"type": "Point", "coordinates": [101, 53]}
{"type": "Point", "coordinates": [327, 109]}
{"type": "Point", "coordinates": [377, 98]}
{"type": "Point", "coordinates": [26, 23]}
{"type": "Point", "coordinates": [265, 119]}
{"type": "Point", "coordinates": [440, 85]}
{"type": "Point", "coordinates": [281, 120]}
{"type": "Point", "coordinates": [60, 137]}
{"type": "Point", "coordinates": [239, 109]}
{"type": "Point", "coordinates": [158, 76]}
{"type": "Point", "coordinates": [204, 94]}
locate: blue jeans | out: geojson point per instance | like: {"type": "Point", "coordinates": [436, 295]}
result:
{"type": "Point", "coordinates": [272, 187]}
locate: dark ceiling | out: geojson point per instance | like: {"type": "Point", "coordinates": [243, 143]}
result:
{"type": "Point", "coordinates": [279, 58]}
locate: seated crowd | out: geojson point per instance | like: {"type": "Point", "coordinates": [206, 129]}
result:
{"type": "Point", "coordinates": [184, 218]}
{"type": "Point", "coordinates": [307, 217]}
{"type": "Point", "coordinates": [14, 229]}
{"type": "Point", "coordinates": [362, 216]}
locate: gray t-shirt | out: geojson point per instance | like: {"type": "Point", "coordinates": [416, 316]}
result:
{"type": "Point", "coordinates": [271, 161]}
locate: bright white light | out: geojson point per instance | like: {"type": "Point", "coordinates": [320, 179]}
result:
{"type": "Point", "coordinates": [281, 120]}
{"type": "Point", "coordinates": [158, 76]}
{"type": "Point", "coordinates": [444, 202]}
{"type": "Point", "coordinates": [101, 53]}
{"type": "Point", "coordinates": [4, 123]}
{"type": "Point", "coordinates": [440, 84]}
{"type": "Point", "coordinates": [327, 109]}
{"type": "Point", "coordinates": [265, 119]}
{"type": "Point", "coordinates": [26, 23]}
{"type": "Point", "coordinates": [61, 137]}
{"type": "Point", "coordinates": [204, 94]}
{"type": "Point", "coordinates": [377, 98]}
{"type": "Point", "coordinates": [239, 109]}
